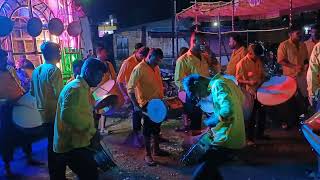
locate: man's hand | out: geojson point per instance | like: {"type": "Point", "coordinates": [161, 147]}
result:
{"type": "Point", "coordinates": [298, 68]}
{"type": "Point", "coordinates": [252, 82]}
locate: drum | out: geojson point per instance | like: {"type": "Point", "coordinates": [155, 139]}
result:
{"type": "Point", "coordinates": [158, 110]}
{"type": "Point", "coordinates": [103, 90]}
{"type": "Point", "coordinates": [103, 157]}
{"type": "Point", "coordinates": [182, 95]}
{"type": "Point", "coordinates": [25, 114]}
{"type": "Point", "coordinates": [311, 131]}
{"type": "Point", "coordinates": [198, 150]}
{"type": "Point", "coordinates": [277, 90]}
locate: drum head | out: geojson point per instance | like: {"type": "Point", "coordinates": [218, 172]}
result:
{"type": "Point", "coordinates": [207, 105]}
{"type": "Point", "coordinates": [277, 90]}
{"type": "Point", "coordinates": [109, 100]}
{"type": "Point", "coordinates": [34, 27]}
{"type": "Point", "coordinates": [55, 26]}
{"type": "Point", "coordinates": [26, 117]}
{"type": "Point", "coordinates": [6, 26]}
{"type": "Point", "coordinates": [182, 96]}
{"type": "Point", "coordinates": [157, 110]}
{"type": "Point", "coordinates": [103, 90]}
{"type": "Point", "coordinates": [74, 29]}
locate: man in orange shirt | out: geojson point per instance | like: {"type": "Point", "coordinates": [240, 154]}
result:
{"type": "Point", "coordinates": [250, 75]}
{"type": "Point", "coordinates": [293, 56]}
{"type": "Point", "coordinates": [123, 78]}
{"type": "Point", "coordinates": [238, 53]}
{"type": "Point", "coordinates": [144, 85]}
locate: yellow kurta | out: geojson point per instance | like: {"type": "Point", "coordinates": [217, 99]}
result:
{"type": "Point", "coordinates": [236, 56]}
{"type": "Point", "coordinates": [146, 83]}
{"type": "Point", "coordinates": [74, 124]}
{"type": "Point", "coordinates": [314, 71]}
{"type": "Point", "coordinates": [189, 64]}
{"type": "Point", "coordinates": [126, 69]}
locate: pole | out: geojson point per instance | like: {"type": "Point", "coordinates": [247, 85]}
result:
{"type": "Point", "coordinates": [31, 16]}
{"type": "Point", "coordinates": [232, 21]}
{"type": "Point", "coordinates": [177, 28]}
{"type": "Point", "coordinates": [173, 28]}
{"type": "Point", "coordinates": [219, 36]}
{"type": "Point", "coordinates": [290, 15]}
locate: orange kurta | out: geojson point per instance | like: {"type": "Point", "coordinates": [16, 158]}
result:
{"type": "Point", "coordinates": [236, 56]}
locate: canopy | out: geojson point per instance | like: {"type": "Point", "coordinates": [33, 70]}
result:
{"type": "Point", "coordinates": [248, 9]}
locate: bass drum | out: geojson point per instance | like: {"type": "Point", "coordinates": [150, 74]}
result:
{"type": "Point", "coordinates": [25, 114]}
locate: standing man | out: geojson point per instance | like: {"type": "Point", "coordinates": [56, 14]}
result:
{"type": "Point", "coordinates": [144, 85]}
{"type": "Point", "coordinates": [227, 126]}
{"type": "Point", "coordinates": [313, 76]}
{"type": "Point", "coordinates": [46, 85]}
{"type": "Point", "coordinates": [314, 39]}
{"type": "Point", "coordinates": [123, 78]}
{"type": "Point", "coordinates": [238, 53]}
{"type": "Point", "coordinates": [74, 124]}
{"type": "Point", "coordinates": [293, 55]}
{"type": "Point", "coordinates": [192, 62]}
{"type": "Point", "coordinates": [250, 75]}
{"type": "Point", "coordinates": [102, 55]}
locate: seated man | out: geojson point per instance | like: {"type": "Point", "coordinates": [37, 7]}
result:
{"type": "Point", "coordinates": [74, 128]}
{"type": "Point", "coordinates": [229, 131]}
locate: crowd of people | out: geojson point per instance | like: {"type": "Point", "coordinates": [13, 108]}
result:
{"type": "Point", "coordinates": [69, 115]}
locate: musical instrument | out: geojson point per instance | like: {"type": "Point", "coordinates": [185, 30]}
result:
{"type": "Point", "coordinates": [74, 29]}
{"type": "Point", "coordinates": [311, 131]}
{"type": "Point", "coordinates": [103, 90]}
{"type": "Point", "coordinates": [25, 114]}
{"type": "Point", "coordinates": [56, 26]}
{"type": "Point", "coordinates": [198, 150]}
{"type": "Point", "coordinates": [103, 157]}
{"type": "Point", "coordinates": [158, 110]}
{"type": "Point", "coordinates": [34, 27]}
{"type": "Point", "coordinates": [6, 26]}
{"type": "Point", "coordinates": [277, 90]}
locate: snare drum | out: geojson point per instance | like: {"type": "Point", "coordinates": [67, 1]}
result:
{"type": "Point", "coordinates": [25, 114]}
{"type": "Point", "coordinates": [198, 150]}
{"type": "Point", "coordinates": [158, 110]}
{"type": "Point", "coordinates": [103, 157]}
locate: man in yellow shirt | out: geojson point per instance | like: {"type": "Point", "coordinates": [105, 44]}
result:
{"type": "Point", "coordinates": [74, 124]}
{"type": "Point", "coordinates": [314, 39]}
{"type": "Point", "coordinates": [46, 85]}
{"type": "Point", "coordinates": [238, 53]}
{"type": "Point", "coordinates": [293, 55]}
{"type": "Point", "coordinates": [227, 127]}
{"type": "Point", "coordinates": [144, 85]}
{"type": "Point", "coordinates": [123, 78]}
{"type": "Point", "coordinates": [313, 76]}
{"type": "Point", "coordinates": [250, 75]}
{"type": "Point", "coordinates": [193, 62]}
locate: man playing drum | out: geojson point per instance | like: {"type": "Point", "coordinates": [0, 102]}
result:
{"type": "Point", "coordinates": [144, 85]}
{"type": "Point", "coordinates": [250, 75]}
{"type": "Point", "coordinates": [10, 91]}
{"type": "Point", "coordinates": [228, 130]}
{"type": "Point", "coordinates": [123, 78]}
{"type": "Point", "coordinates": [46, 85]}
{"type": "Point", "coordinates": [74, 124]}
{"type": "Point", "coordinates": [293, 55]}
{"type": "Point", "coordinates": [193, 62]}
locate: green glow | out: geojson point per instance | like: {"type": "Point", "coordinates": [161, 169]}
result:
{"type": "Point", "coordinates": [68, 56]}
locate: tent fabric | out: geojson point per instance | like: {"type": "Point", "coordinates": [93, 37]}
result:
{"type": "Point", "coordinates": [248, 9]}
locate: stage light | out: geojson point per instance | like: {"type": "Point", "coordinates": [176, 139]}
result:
{"type": "Point", "coordinates": [215, 24]}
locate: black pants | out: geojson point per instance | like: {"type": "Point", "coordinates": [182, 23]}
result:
{"type": "Point", "coordinates": [11, 136]}
{"type": "Point", "coordinates": [136, 120]}
{"type": "Point", "coordinates": [53, 164]}
{"type": "Point", "coordinates": [81, 162]}
{"type": "Point", "coordinates": [194, 113]}
{"type": "Point", "coordinates": [149, 127]}
{"type": "Point", "coordinates": [208, 169]}
{"type": "Point", "coordinates": [256, 124]}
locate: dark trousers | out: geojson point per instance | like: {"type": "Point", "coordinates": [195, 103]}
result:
{"type": "Point", "coordinates": [81, 162]}
{"type": "Point", "coordinates": [208, 169]}
{"type": "Point", "coordinates": [194, 113]}
{"type": "Point", "coordinates": [256, 124]}
{"type": "Point", "coordinates": [136, 120]}
{"type": "Point", "coordinates": [11, 136]}
{"type": "Point", "coordinates": [53, 164]}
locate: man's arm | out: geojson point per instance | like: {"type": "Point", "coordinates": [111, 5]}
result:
{"type": "Point", "coordinates": [179, 73]}
{"type": "Point", "coordinates": [221, 92]}
{"type": "Point", "coordinates": [121, 80]}
{"type": "Point", "coordinates": [313, 72]}
{"type": "Point", "coordinates": [134, 78]}
{"type": "Point", "coordinates": [283, 58]}
{"type": "Point", "coordinates": [56, 82]}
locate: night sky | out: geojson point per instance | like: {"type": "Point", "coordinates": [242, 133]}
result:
{"type": "Point", "coordinates": [131, 12]}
